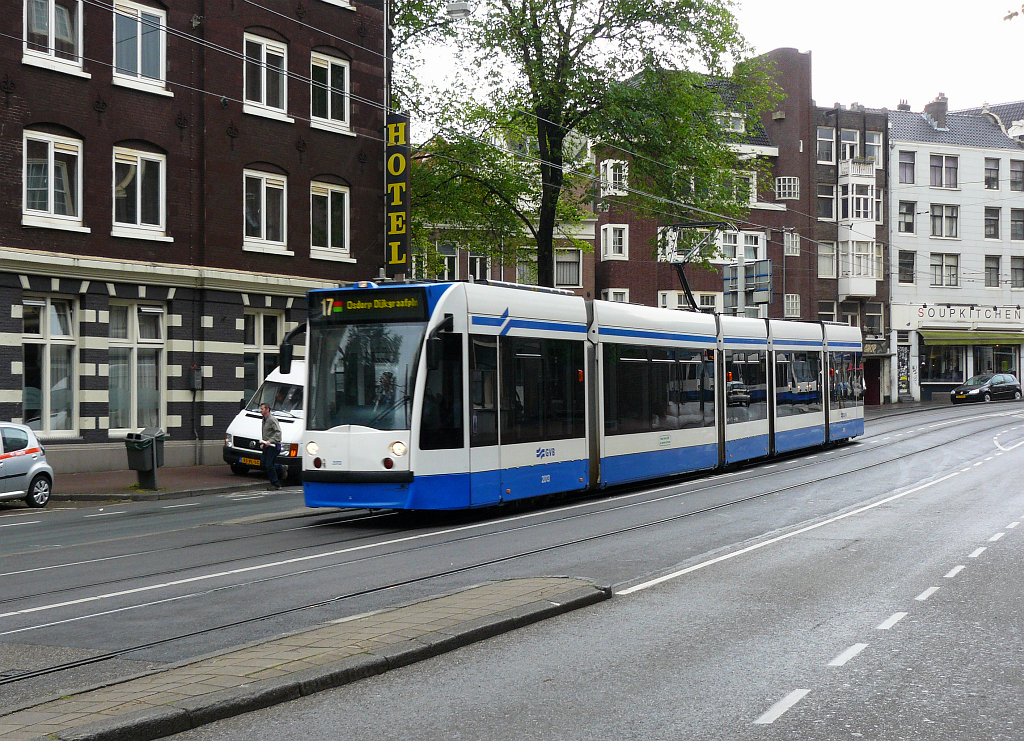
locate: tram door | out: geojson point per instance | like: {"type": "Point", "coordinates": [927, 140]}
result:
{"type": "Point", "coordinates": [484, 451]}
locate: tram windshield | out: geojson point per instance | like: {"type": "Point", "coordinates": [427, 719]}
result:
{"type": "Point", "coordinates": [363, 374]}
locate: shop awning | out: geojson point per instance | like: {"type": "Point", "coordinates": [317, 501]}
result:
{"type": "Point", "coordinates": [972, 337]}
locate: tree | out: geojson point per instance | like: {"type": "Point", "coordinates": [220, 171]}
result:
{"type": "Point", "coordinates": [562, 72]}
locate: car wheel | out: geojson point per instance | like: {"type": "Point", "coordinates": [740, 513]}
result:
{"type": "Point", "coordinates": [987, 396]}
{"type": "Point", "coordinates": [1016, 395]}
{"type": "Point", "coordinates": [38, 492]}
{"type": "Point", "coordinates": [239, 468]}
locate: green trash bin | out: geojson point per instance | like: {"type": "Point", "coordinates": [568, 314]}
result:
{"type": "Point", "coordinates": [145, 451]}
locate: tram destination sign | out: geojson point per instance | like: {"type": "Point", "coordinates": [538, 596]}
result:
{"type": "Point", "coordinates": [376, 305]}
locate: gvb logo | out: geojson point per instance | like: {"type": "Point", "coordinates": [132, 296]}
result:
{"type": "Point", "coordinates": [545, 452]}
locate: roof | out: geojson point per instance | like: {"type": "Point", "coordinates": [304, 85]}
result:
{"type": "Point", "coordinates": [962, 129]}
{"type": "Point", "coordinates": [755, 135]}
{"type": "Point", "coordinates": [1007, 112]}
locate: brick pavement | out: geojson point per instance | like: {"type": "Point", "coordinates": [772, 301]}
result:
{"type": "Point", "coordinates": [172, 700]}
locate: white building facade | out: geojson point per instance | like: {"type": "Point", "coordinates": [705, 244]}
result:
{"type": "Point", "coordinates": [957, 248]}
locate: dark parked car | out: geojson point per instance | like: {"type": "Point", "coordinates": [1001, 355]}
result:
{"type": "Point", "coordinates": [739, 395]}
{"type": "Point", "coordinates": [986, 387]}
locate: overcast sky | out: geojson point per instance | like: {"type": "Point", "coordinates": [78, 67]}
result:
{"type": "Point", "coordinates": [877, 52]}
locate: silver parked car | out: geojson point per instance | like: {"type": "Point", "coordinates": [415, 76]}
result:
{"type": "Point", "coordinates": [24, 472]}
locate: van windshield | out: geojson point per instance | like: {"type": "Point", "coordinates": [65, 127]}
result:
{"type": "Point", "coordinates": [363, 374]}
{"type": "Point", "coordinates": [281, 397]}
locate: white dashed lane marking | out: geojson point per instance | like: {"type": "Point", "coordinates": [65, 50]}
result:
{"type": "Point", "coordinates": [954, 571]}
{"type": "Point", "coordinates": [848, 654]}
{"type": "Point", "coordinates": [1012, 525]}
{"type": "Point", "coordinates": [977, 552]}
{"type": "Point", "coordinates": [926, 594]}
{"type": "Point", "coordinates": [996, 537]}
{"type": "Point", "coordinates": [776, 710]}
{"type": "Point", "coordinates": [892, 621]}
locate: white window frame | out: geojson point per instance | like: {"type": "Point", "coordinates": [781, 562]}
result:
{"type": "Point", "coordinates": [831, 139]}
{"type": "Point", "coordinates": [48, 218]}
{"type": "Point", "coordinates": [134, 342]}
{"type": "Point", "coordinates": [704, 303]}
{"type": "Point", "coordinates": [614, 177]}
{"type": "Point", "coordinates": [134, 11]}
{"type": "Point", "coordinates": [139, 230]}
{"type": "Point", "coordinates": [787, 188]}
{"type": "Point", "coordinates": [949, 210]}
{"type": "Point", "coordinates": [998, 223]}
{"type": "Point", "coordinates": [908, 167]}
{"type": "Point", "coordinates": [608, 232]}
{"type": "Point", "coordinates": [873, 147]}
{"type": "Point", "coordinates": [791, 243]}
{"type": "Point", "coordinates": [901, 222]}
{"type": "Point", "coordinates": [475, 257]}
{"type": "Point", "coordinates": [330, 252]}
{"type": "Point", "coordinates": [851, 145]}
{"type": "Point", "coordinates": [47, 339]}
{"type": "Point", "coordinates": [944, 184]}
{"type": "Point", "coordinates": [992, 273]}
{"type": "Point", "coordinates": [827, 257]}
{"type": "Point", "coordinates": [832, 309]}
{"type": "Point", "coordinates": [449, 253]}
{"type": "Point", "coordinates": [49, 58]}
{"type": "Point", "coordinates": [579, 269]}
{"type": "Point", "coordinates": [261, 243]}
{"type": "Point", "coordinates": [949, 266]}
{"type": "Point", "coordinates": [331, 122]}
{"type": "Point", "coordinates": [830, 198]}
{"type": "Point", "coordinates": [617, 295]}
{"type": "Point", "coordinates": [791, 304]}
{"type": "Point", "coordinates": [259, 349]}
{"type": "Point", "coordinates": [260, 107]}
{"type": "Point", "coordinates": [731, 121]}
{"type": "Point", "coordinates": [986, 169]}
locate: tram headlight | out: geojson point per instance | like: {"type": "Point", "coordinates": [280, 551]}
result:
{"type": "Point", "coordinates": [398, 448]}
{"type": "Point", "coordinates": [312, 448]}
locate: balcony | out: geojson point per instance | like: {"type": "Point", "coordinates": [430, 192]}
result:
{"type": "Point", "coordinates": [856, 286]}
{"type": "Point", "coordinates": [857, 169]}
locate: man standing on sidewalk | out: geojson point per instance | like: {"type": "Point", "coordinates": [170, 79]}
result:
{"type": "Point", "coordinates": [271, 445]}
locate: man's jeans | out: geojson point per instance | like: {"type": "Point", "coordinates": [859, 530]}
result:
{"type": "Point", "coordinates": [267, 458]}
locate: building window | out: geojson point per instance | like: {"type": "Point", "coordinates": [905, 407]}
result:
{"type": "Point", "coordinates": [787, 189]}
{"type": "Point", "coordinates": [1017, 223]}
{"type": "Point", "coordinates": [261, 340]}
{"type": "Point", "coordinates": [136, 366]}
{"type": "Point", "coordinates": [449, 267]}
{"type": "Point", "coordinates": [52, 181]}
{"type": "Point", "coordinates": [731, 121]}
{"type": "Point", "coordinates": [991, 173]}
{"type": "Point", "coordinates": [139, 43]}
{"type": "Point", "coordinates": [329, 97]}
{"type": "Point", "coordinates": [873, 317]}
{"type": "Point", "coordinates": [826, 144]}
{"type": "Point", "coordinates": [264, 209]}
{"type": "Point", "coordinates": [863, 201]}
{"type": "Point", "coordinates": [48, 364]}
{"type": "Point", "coordinates": [991, 271]}
{"type": "Point", "coordinates": [943, 171]}
{"type": "Point", "coordinates": [266, 70]}
{"type": "Point", "coordinates": [878, 205]}
{"type": "Point", "coordinates": [729, 242]}
{"type": "Point", "coordinates": [791, 244]}
{"type": "Point", "coordinates": [826, 259]}
{"type": "Point", "coordinates": [827, 311]}
{"type": "Point", "coordinates": [906, 217]}
{"type": "Point", "coordinates": [479, 267]}
{"type": "Point", "coordinates": [568, 268]}
{"type": "Point", "coordinates": [1017, 272]}
{"type": "Point", "coordinates": [858, 259]}
{"type": "Point", "coordinates": [991, 223]}
{"type": "Point", "coordinates": [614, 177]}
{"type": "Point", "coordinates": [850, 139]}
{"type": "Point", "coordinates": [1017, 175]}
{"type": "Point", "coordinates": [615, 242]}
{"type": "Point", "coordinates": [618, 295]}
{"type": "Point", "coordinates": [907, 160]}
{"type": "Point", "coordinates": [873, 147]}
{"type": "Point", "coordinates": [751, 246]}
{"type": "Point", "coordinates": [139, 192]}
{"type": "Point", "coordinates": [706, 301]}
{"type": "Point", "coordinates": [792, 305]}
{"type": "Point", "coordinates": [53, 29]}
{"type": "Point", "coordinates": [907, 266]}
{"type": "Point", "coordinates": [526, 268]}
{"type": "Point", "coordinates": [826, 201]}
{"type": "Point", "coordinates": [329, 219]}
{"type": "Point", "coordinates": [945, 269]}
{"type": "Point", "coordinates": [944, 220]}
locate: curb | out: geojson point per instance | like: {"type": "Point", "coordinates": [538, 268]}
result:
{"type": "Point", "coordinates": [153, 496]}
{"type": "Point", "coordinates": [154, 724]}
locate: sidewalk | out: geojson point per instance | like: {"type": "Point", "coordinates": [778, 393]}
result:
{"type": "Point", "coordinates": [236, 681]}
{"type": "Point", "coordinates": [174, 483]}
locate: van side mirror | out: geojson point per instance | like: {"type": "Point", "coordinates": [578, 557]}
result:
{"type": "Point", "coordinates": [284, 358]}
{"type": "Point", "coordinates": [434, 353]}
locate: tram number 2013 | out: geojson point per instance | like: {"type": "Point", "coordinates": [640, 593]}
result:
{"type": "Point", "coordinates": [545, 479]}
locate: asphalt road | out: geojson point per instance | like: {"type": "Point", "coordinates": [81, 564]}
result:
{"type": "Point", "coordinates": [787, 567]}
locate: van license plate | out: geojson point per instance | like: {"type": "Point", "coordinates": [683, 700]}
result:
{"type": "Point", "coordinates": [249, 461]}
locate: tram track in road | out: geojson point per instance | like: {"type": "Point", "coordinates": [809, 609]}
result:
{"type": "Point", "coordinates": [479, 564]}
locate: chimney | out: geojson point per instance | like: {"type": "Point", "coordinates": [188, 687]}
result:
{"type": "Point", "coordinates": [903, 106]}
{"type": "Point", "coordinates": [936, 111]}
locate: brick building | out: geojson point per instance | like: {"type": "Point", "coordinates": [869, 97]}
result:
{"type": "Point", "coordinates": [174, 179]}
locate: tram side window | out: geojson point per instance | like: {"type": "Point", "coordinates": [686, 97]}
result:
{"type": "Point", "coordinates": [846, 387]}
{"type": "Point", "coordinates": [749, 368]}
{"type": "Point", "coordinates": [483, 390]}
{"type": "Point", "coordinates": [542, 394]}
{"type": "Point", "coordinates": [797, 383]}
{"type": "Point", "coordinates": [441, 423]}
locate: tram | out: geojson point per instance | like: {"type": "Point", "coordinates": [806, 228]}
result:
{"type": "Point", "coordinates": [445, 396]}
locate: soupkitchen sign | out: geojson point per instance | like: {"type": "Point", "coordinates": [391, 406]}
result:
{"type": "Point", "coordinates": [959, 314]}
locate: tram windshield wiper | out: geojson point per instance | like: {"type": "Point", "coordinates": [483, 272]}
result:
{"type": "Point", "coordinates": [391, 407]}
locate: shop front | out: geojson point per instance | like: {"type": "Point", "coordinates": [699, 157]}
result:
{"type": "Point", "coordinates": [947, 358]}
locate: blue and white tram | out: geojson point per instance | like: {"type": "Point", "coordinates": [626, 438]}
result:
{"type": "Point", "coordinates": [459, 395]}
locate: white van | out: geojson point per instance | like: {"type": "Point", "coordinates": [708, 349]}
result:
{"type": "Point", "coordinates": [284, 392]}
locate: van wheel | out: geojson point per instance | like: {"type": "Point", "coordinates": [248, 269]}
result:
{"type": "Point", "coordinates": [239, 468]}
{"type": "Point", "coordinates": [38, 492]}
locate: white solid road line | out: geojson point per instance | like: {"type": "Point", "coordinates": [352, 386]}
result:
{"type": "Point", "coordinates": [977, 552]}
{"type": "Point", "coordinates": [954, 571]}
{"type": "Point", "coordinates": [848, 654]}
{"type": "Point", "coordinates": [926, 594]}
{"type": "Point", "coordinates": [892, 621]}
{"type": "Point", "coordinates": [996, 537]}
{"type": "Point", "coordinates": [173, 506]}
{"type": "Point", "coordinates": [107, 514]}
{"type": "Point", "coordinates": [15, 524]}
{"type": "Point", "coordinates": [772, 541]}
{"type": "Point", "coordinates": [781, 707]}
